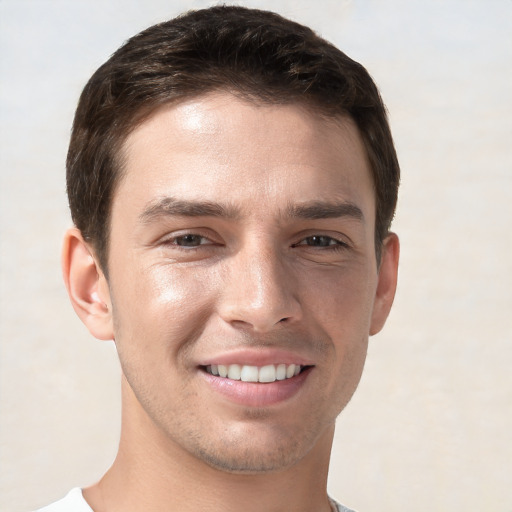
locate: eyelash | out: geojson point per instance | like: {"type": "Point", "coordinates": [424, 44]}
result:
{"type": "Point", "coordinates": [338, 245]}
{"type": "Point", "coordinates": [173, 241]}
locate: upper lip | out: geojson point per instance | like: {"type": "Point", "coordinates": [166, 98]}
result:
{"type": "Point", "coordinates": [257, 357]}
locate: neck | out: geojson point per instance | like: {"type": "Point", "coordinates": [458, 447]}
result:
{"type": "Point", "coordinates": [152, 473]}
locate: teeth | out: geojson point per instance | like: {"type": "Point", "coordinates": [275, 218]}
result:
{"type": "Point", "coordinates": [249, 373]}
{"type": "Point", "coordinates": [267, 373]}
{"type": "Point", "coordinates": [234, 371]}
{"type": "Point", "coordinates": [246, 373]}
{"type": "Point", "coordinates": [281, 372]}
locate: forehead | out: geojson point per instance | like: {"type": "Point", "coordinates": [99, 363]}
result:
{"type": "Point", "coordinates": [221, 148]}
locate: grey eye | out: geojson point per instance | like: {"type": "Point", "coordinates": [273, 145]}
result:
{"type": "Point", "coordinates": [320, 241]}
{"type": "Point", "coordinates": [189, 240]}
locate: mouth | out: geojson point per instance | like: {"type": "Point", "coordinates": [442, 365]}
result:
{"type": "Point", "coordinates": [260, 377]}
{"type": "Point", "coordinates": [256, 386]}
{"type": "Point", "coordinates": [262, 374]}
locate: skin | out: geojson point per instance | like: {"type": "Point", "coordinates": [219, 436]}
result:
{"type": "Point", "coordinates": [278, 256]}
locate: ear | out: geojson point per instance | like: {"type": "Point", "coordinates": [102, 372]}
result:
{"type": "Point", "coordinates": [386, 283]}
{"type": "Point", "coordinates": [87, 286]}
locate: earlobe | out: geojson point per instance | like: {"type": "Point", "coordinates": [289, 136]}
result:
{"type": "Point", "coordinates": [386, 284]}
{"type": "Point", "coordinates": [86, 285]}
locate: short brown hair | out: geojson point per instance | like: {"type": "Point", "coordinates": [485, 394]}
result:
{"type": "Point", "coordinates": [253, 53]}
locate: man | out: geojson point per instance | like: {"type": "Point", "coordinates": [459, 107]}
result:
{"type": "Point", "coordinates": [232, 181]}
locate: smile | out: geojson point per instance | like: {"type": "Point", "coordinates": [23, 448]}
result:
{"type": "Point", "coordinates": [263, 374]}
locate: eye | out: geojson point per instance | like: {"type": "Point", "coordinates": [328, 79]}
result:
{"type": "Point", "coordinates": [191, 245]}
{"type": "Point", "coordinates": [322, 241]}
{"type": "Point", "coordinates": [190, 240]}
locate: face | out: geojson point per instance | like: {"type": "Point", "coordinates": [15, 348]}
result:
{"type": "Point", "coordinates": [242, 277]}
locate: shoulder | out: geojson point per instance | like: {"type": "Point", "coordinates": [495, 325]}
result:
{"type": "Point", "coordinates": [72, 502]}
{"type": "Point", "coordinates": [340, 508]}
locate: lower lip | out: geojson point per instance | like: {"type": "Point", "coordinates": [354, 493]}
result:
{"type": "Point", "coordinates": [255, 394]}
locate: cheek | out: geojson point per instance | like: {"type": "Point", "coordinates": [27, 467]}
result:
{"type": "Point", "coordinates": [343, 302]}
{"type": "Point", "coordinates": [160, 307]}
{"type": "Point", "coordinates": [344, 315]}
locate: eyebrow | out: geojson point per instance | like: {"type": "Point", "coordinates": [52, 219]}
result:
{"type": "Point", "coordinates": [314, 210]}
{"type": "Point", "coordinates": [169, 206]}
{"type": "Point", "coordinates": [325, 210]}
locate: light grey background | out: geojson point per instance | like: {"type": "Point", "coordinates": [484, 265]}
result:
{"type": "Point", "coordinates": [430, 427]}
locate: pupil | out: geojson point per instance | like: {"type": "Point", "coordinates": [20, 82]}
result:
{"type": "Point", "coordinates": [320, 241]}
{"type": "Point", "coordinates": [189, 240]}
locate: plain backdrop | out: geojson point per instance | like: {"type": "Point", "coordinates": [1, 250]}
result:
{"type": "Point", "coordinates": [430, 427]}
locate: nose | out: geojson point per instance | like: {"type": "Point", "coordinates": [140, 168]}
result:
{"type": "Point", "coordinates": [260, 291]}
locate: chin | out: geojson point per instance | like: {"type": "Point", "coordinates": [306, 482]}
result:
{"type": "Point", "coordinates": [251, 461]}
{"type": "Point", "coordinates": [260, 450]}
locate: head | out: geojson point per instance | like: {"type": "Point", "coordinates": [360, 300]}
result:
{"type": "Point", "coordinates": [256, 55]}
{"type": "Point", "coordinates": [235, 176]}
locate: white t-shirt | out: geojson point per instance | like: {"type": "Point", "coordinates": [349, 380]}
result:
{"type": "Point", "coordinates": [74, 502]}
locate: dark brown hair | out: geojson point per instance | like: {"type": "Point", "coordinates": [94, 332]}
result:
{"type": "Point", "coordinates": [255, 54]}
